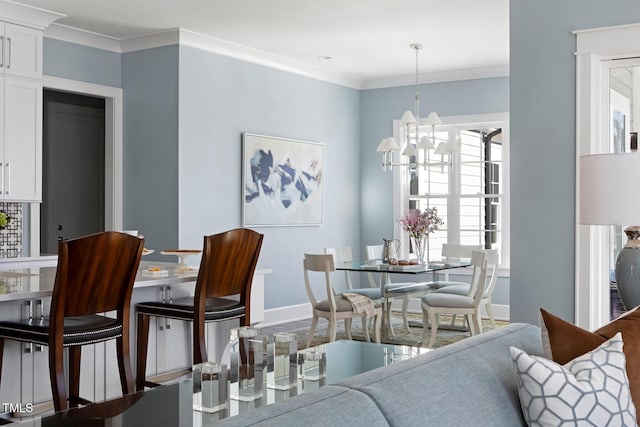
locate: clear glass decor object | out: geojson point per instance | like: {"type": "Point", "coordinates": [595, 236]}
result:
{"type": "Point", "coordinates": [210, 387]}
{"type": "Point", "coordinates": [247, 363]}
{"type": "Point", "coordinates": [314, 365]}
{"type": "Point", "coordinates": [285, 364]}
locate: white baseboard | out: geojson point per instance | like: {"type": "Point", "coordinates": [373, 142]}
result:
{"type": "Point", "coordinates": [292, 313]}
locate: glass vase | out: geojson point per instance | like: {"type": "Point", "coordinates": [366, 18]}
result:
{"type": "Point", "coordinates": [419, 245]}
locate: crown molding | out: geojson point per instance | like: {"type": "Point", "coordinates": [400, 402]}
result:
{"type": "Point", "coordinates": [150, 41]}
{"type": "Point", "coordinates": [29, 16]}
{"type": "Point", "coordinates": [438, 77]}
{"type": "Point", "coordinates": [256, 56]}
{"type": "Point", "coordinates": [83, 37]}
{"type": "Point", "coordinates": [189, 38]}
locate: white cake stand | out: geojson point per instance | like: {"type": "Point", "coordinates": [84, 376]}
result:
{"type": "Point", "coordinates": [182, 255]}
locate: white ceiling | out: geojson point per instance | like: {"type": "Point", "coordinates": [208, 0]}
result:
{"type": "Point", "coordinates": [368, 40]}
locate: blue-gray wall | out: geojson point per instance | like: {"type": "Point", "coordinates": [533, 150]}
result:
{"type": "Point", "coordinates": [86, 64]}
{"type": "Point", "coordinates": [150, 199]}
{"type": "Point", "coordinates": [222, 97]}
{"type": "Point", "coordinates": [543, 122]}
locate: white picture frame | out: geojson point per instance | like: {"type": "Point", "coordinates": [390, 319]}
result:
{"type": "Point", "coordinates": [282, 181]}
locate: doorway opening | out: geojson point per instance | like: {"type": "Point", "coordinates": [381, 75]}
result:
{"type": "Point", "coordinates": [73, 199]}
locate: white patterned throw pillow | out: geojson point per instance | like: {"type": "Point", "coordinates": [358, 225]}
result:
{"type": "Point", "coordinates": [591, 390]}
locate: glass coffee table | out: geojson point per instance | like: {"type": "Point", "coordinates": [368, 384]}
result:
{"type": "Point", "coordinates": [173, 404]}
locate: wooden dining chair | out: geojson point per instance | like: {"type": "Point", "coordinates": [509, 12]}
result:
{"type": "Point", "coordinates": [228, 262]}
{"type": "Point", "coordinates": [95, 275]}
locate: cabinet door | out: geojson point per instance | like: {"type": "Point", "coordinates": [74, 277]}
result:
{"type": "Point", "coordinates": [22, 169]}
{"type": "Point", "coordinates": [22, 51]}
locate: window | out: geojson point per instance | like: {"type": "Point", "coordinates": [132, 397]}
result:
{"type": "Point", "coordinates": [469, 187]}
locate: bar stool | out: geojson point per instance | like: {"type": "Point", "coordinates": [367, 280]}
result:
{"type": "Point", "coordinates": [228, 262]}
{"type": "Point", "coordinates": [95, 274]}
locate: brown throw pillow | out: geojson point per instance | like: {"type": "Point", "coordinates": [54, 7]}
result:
{"type": "Point", "coordinates": [563, 342]}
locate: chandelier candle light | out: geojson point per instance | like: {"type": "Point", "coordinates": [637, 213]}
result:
{"type": "Point", "coordinates": [419, 224]}
{"type": "Point", "coordinates": [410, 120]}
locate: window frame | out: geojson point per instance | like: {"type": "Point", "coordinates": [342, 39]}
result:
{"type": "Point", "coordinates": [401, 178]}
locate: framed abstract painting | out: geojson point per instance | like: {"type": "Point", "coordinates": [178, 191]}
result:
{"type": "Point", "coordinates": [282, 182]}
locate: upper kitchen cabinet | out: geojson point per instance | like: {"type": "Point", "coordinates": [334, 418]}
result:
{"type": "Point", "coordinates": [21, 141]}
{"type": "Point", "coordinates": [21, 34]}
{"type": "Point", "coordinates": [21, 51]}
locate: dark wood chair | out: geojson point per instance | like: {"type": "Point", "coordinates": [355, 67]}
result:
{"type": "Point", "coordinates": [95, 275]}
{"type": "Point", "coordinates": [228, 262]}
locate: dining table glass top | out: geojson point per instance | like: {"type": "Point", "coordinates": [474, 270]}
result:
{"type": "Point", "coordinates": [380, 267]}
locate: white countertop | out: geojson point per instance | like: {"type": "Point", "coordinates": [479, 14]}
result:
{"type": "Point", "coordinates": [37, 282]}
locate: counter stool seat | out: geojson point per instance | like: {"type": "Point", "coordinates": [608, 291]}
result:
{"type": "Point", "coordinates": [77, 330]}
{"type": "Point", "coordinates": [184, 309]}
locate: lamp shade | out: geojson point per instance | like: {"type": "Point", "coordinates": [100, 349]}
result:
{"type": "Point", "coordinates": [609, 189]}
{"type": "Point", "coordinates": [388, 144]}
{"type": "Point", "coordinates": [407, 118]}
{"type": "Point", "coordinates": [433, 119]}
{"type": "Point", "coordinates": [409, 150]}
{"type": "Point", "coordinates": [425, 143]}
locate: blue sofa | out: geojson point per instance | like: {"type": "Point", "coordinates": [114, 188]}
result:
{"type": "Point", "coordinates": [469, 383]}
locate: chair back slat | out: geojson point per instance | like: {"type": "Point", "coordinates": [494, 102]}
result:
{"type": "Point", "coordinates": [96, 273]}
{"type": "Point", "coordinates": [228, 263]}
{"type": "Point", "coordinates": [479, 277]}
{"type": "Point", "coordinates": [321, 263]}
{"type": "Point", "coordinates": [450, 250]}
{"type": "Point", "coordinates": [343, 254]}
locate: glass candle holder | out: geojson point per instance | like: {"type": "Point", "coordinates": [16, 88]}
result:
{"type": "Point", "coordinates": [314, 365]}
{"type": "Point", "coordinates": [284, 349]}
{"type": "Point", "coordinates": [247, 364]}
{"type": "Point", "coordinates": [210, 387]}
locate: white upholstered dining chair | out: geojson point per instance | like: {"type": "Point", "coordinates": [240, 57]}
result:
{"type": "Point", "coordinates": [434, 304]}
{"type": "Point", "coordinates": [462, 288]}
{"type": "Point", "coordinates": [333, 307]}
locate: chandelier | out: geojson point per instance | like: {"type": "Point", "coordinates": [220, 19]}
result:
{"type": "Point", "coordinates": [412, 143]}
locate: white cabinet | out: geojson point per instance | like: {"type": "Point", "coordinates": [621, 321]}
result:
{"type": "Point", "coordinates": [21, 140]}
{"type": "Point", "coordinates": [25, 367]}
{"type": "Point", "coordinates": [21, 51]}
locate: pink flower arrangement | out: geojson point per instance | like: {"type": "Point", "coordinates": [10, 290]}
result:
{"type": "Point", "coordinates": [421, 223]}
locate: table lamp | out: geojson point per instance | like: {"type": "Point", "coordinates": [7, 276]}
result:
{"type": "Point", "coordinates": [609, 195]}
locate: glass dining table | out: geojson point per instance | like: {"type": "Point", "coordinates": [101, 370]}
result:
{"type": "Point", "coordinates": [407, 287]}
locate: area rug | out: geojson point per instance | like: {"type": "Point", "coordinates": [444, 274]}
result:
{"type": "Point", "coordinates": [413, 337]}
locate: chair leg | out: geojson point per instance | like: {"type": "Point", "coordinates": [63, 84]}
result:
{"type": "Point", "coordinates": [433, 319]}
{"type": "Point", "coordinates": [490, 313]}
{"type": "Point", "coordinates": [56, 375]}
{"type": "Point", "coordinates": [141, 350]}
{"type": "Point", "coordinates": [365, 328]}
{"type": "Point", "coordinates": [477, 323]}
{"type": "Point", "coordinates": [387, 317]}
{"type": "Point", "coordinates": [314, 324]}
{"type": "Point", "coordinates": [405, 309]}
{"type": "Point", "coordinates": [472, 324]}
{"type": "Point", "coordinates": [124, 364]}
{"type": "Point", "coordinates": [377, 326]}
{"type": "Point", "coordinates": [425, 323]}
{"type": "Point", "coordinates": [199, 343]}
{"type": "Point", "coordinates": [347, 328]}
{"type": "Point", "coordinates": [332, 330]}
{"type": "Point", "coordinates": [75, 353]}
